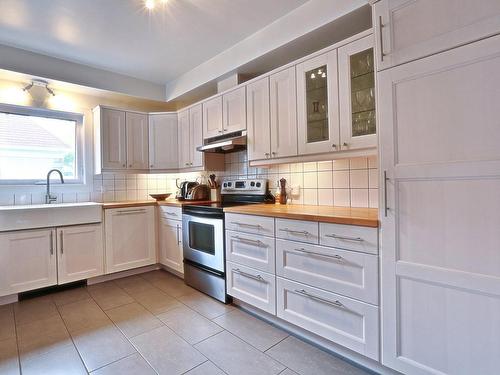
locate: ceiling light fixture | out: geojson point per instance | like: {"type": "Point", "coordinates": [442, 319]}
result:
{"type": "Point", "coordinates": [40, 83]}
{"type": "Point", "coordinates": [151, 4]}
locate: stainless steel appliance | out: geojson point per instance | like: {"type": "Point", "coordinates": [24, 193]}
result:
{"type": "Point", "coordinates": [226, 143]}
{"type": "Point", "coordinates": [203, 236]}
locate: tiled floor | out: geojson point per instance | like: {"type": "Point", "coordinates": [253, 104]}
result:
{"type": "Point", "coordinates": [149, 324]}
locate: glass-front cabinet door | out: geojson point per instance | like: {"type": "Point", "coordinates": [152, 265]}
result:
{"type": "Point", "coordinates": [358, 125]}
{"type": "Point", "coordinates": [317, 104]}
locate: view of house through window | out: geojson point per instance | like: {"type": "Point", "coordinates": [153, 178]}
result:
{"type": "Point", "coordinates": [30, 146]}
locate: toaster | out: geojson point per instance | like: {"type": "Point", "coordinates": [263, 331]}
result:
{"type": "Point", "coordinates": [199, 192]}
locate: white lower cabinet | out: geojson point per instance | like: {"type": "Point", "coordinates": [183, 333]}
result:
{"type": "Point", "coordinates": [130, 238]}
{"type": "Point", "coordinates": [80, 252]}
{"type": "Point", "coordinates": [343, 320]}
{"type": "Point", "coordinates": [250, 250]}
{"type": "Point", "coordinates": [252, 286]}
{"type": "Point", "coordinates": [170, 243]}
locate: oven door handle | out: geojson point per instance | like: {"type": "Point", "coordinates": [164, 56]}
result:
{"type": "Point", "coordinates": [204, 213]}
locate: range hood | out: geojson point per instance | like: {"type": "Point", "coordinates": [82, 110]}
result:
{"type": "Point", "coordinates": [223, 144]}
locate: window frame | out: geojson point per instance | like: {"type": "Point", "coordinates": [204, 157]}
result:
{"type": "Point", "coordinates": [53, 114]}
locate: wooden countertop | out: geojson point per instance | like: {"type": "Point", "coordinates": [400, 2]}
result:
{"type": "Point", "coordinates": [168, 202]}
{"type": "Point", "coordinates": [367, 217]}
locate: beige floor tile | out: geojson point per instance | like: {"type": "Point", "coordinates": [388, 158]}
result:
{"type": "Point", "coordinates": [173, 286]}
{"type": "Point", "coordinates": [156, 275]}
{"type": "Point", "coordinates": [234, 356]}
{"type": "Point", "coordinates": [188, 324]}
{"type": "Point", "coordinates": [134, 284]}
{"type": "Point", "coordinates": [101, 346]}
{"type": "Point", "coordinates": [288, 372]}
{"type": "Point", "coordinates": [34, 309]}
{"type": "Point", "coordinates": [109, 295]}
{"type": "Point", "coordinates": [156, 301]}
{"type": "Point", "coordinates": [306, 359]}
{"type": "Point", "coordinates": [250, 329]}
{"type": "Point", "coordinates": [69, 296]}
{"type": "Point", "coordinates": [205, 305]}
{"type": "Point", "coordinates": [41, 337]}
{"type": "Point", "coordinates": [207, 368]}
{"type": "Point", "coordinates": [83, 315]}
{"type": "Point", "coordinates": [132, 365]}
{"type": "Point", "coordinates": [133, 319]}
{"type": "Point", "coordinates": [9, 361]}
{"type": "Point", "coordinates": [7, 322]}
{"type": "Point", "coordinates": [63, 361]}
{"type": "Point", "coordinates": [167, 352]}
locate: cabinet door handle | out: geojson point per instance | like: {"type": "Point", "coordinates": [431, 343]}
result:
{"type": "Point", "coordinates": [171, 213]}
{"type": "Point", "coordinates": [346, 238]}
{"type": "Point", "coordinates": [51, 242]}
{"type": "Point", "coordinates": [382, 54]}
{"type": "Point", "coordinates": [177, 234]}
{"type": "Point", "coordinates": [334, 256]}
{"type": "Point", "coordinates": [303, 232]}
{"type": "Point", "coordinates": [386, 208]}
{"type": "Point", "coordinates": [254, 242]}
{"type": "Point", "coordinates": [257, 226]}
{"type": "Point", "coordinates": [255, 277]}
{"type": "Point", "coordinates": [131, 212]}
{"type": "Point", "coordinates": [334, 145]}
{"type": "Point", "coordinates": [62, 241]}
{"type": "Point", "coordinates": [335, 303]}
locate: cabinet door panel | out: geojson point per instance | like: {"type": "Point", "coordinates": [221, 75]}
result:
{"type": "Point", "coordinates": [80, 252]}
{"type": "Point", "coordinates": [184, 139]}
{"type": "Point", "coordinates": [114, 140]}
{"type": "Point", "coordinates": [196, 135]}
{"type": "Point", "coordinates": [27, 260]}
{"type": "Point", "coordinates": [137, 140]}
{"type": "Point", "coordinates": [170, 244]}
{"type": "Point", "coordinates": [258, 120]}
{"type": "Point", "coordinates": [212, 117]}
{"type": "Point", "coordinates": [163, 144]}
{"type": "Point", "coordinates": [234, 111]}
{"type": "Point", "coordinates": [283, 114]}
{"type": "Point", "coordinates": [251, 250]}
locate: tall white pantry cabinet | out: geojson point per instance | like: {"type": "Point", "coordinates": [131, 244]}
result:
{"type": "Point", "coordinates": [439, 137]}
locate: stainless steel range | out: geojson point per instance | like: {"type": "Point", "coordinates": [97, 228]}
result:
{"type": "Point", "coordinates": [203, 236]}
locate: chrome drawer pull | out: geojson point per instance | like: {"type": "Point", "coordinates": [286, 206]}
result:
{"type": "Point", "coordinates": [303, 232]}
{"type": "Point", "coordinates": [246, 225]}
{"type": "Point", "coordinates": [255, 277]}
{"type": "Point", "coordinates": [171, 213]}
{"type": "Point", "coordinates": [359, 239]}
{"type": "Point", "coordinates": [130, 212]}
{"type": "Point", "coordinates": [254, 242]}
{"type": "Point", "coordinates": [312, 296]}
{"type": "Point", "coordinates": [382, 54]}
{"type": "Point", "coordinates": [51, 243]}
{"type": "Point", "coordinates": [334, 256]}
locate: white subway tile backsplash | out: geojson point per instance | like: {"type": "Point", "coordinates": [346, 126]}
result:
{"type": "Point", "coordinates": [358, 179]}
{"type": "Point", "coordinates": [310, 167]}
{"type": "Point", "coordinates": [325, 180]}
{"type": "Point", "coordinates": [310, 180]}
{"type": "Point", "coordinates": [325, 197]}
{"type": "Point", "coordinates": [341, 179]}
{"type": "Point", "coordinates": [373, 198]}
{"type": "Point", "coordinates": [325, 165]}
{"type": "Point", "coordinates": [372, 162]}
{"type": "Point", "coordinates": [120, 184]}
{"type": "Point", "coordinates": [340, 165]}
{"type": "Point", "coordinates": [311, 196]}
{"type": "Point", "coordinates": [358, 163]}
{"type": "Point", "coordinates": [341, 197]}
{"type": "Point", "coordinates": [359, 197]}
{"type": "Point", "coordinates": [373, 178]}
{"type": "Point", "coordinates": [6, 198]}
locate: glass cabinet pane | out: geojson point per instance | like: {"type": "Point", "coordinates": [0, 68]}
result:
{"type": "Point", "coordinates": [362, 93]}
{"type": "Point", "coordinates": [317, 104]}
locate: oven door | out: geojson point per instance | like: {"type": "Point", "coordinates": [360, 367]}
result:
{"type": "Point", "coordinates": [203, 240]}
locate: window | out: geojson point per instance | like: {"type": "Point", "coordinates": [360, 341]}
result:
{"type": "Point", "coordinates": [34, 141]}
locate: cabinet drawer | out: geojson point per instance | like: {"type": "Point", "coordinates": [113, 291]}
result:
{"type": "Point", "coordinates": [345, 272]}
{"type": "Point", "coordinates": [170, 212]}
{"type": "Point", "coordinates": [342, 320]}
{"type": "Point", "coordinates": [297, 230]}
{"type": "Point", "coordinates": [250, 224]}
{"type": "Point", "coordinates": [251, 250]}
{"type": "Point", "coordinates": [252, 286]}
{"type": "Point", "coordinates": [350, 237]}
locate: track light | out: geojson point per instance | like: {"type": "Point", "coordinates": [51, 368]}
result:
{"type": "Point", "coordinates": [40, 83]}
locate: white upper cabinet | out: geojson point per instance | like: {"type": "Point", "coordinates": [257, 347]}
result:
{"type": "Point", "coordinates": [317, 104]}
{"type": "Point", "coordinates": [234, 111]}
{"type": "Point", "coordinates": [196, 135]}
{"type": "Point", "coordinates": [408, 30]}
{"type": "Point", "coordinates": [212, 117]}
{"type": "Point", "coordinates": [258, 120]}
{"type": "Point", "coordinates": [137, 140]}
{"type": "Point", "coordinates": [183, 139]}
{"type": "Point", "coordinates": [283, 113]}
{"type": "Point", "coordinates": [110, 124]}
{"type": "Point", "coordinates": [357, 95]}
{"type": "Point", "coordinates": [163, 149]}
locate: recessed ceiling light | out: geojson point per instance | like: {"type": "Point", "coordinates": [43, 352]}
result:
{"type": "Point", "coordinates": [149, 4]}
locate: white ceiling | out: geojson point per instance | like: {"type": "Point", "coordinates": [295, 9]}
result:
{"type": "Point", "coordinates": [123, 37]}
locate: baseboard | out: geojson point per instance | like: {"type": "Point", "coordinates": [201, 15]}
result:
{"type": "Point", "coordinates": [122, 274]}
{"type": "Point", "coordinates": [11, 298]}
{"type": "Point", "coordinates": [172, 271]}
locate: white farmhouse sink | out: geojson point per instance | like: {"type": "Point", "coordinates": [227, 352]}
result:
{"type": "Point", "coordinates": [49, 215]}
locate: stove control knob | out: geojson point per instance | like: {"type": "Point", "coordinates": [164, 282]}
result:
{"type": "Point", "coordinates": [258, 184]}
{"type": "Point", "coordinates": [252, 183]}
{"type": "Point", "coordinates": [229, 184]}
{"type": "Point", "coordinates": [225, 184]}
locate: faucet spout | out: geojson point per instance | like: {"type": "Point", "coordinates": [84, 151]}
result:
{"type": "Point", "coordinates": [49, 198]}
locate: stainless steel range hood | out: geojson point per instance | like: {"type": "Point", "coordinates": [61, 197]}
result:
{"type": "Point", "coordinates": [225, 143]}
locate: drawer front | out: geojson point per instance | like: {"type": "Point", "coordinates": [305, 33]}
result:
{"type": "Point", "coordinates": [250, 224]}
{"type": "Point", "coordinates": [345, 321]}
{"type": "Point", "coordinates": [170, 212]}
{"type": "Point", "coordinates": [251, 250]}
{"type": "Point", "coordinates": [344, 272]}
{"type": "Point", "coordinates": [297, 230]}
{"type": "Point", "coordinates": [350, 237]}
{"type": "Point", "coordinates": [252, 286]}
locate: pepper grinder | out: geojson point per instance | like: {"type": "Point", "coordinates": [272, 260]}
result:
{"type": "Point", "coordinates": [282, 191]}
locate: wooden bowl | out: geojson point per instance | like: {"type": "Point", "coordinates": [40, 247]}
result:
{"type": "Point", "coordinates": [160, 197]}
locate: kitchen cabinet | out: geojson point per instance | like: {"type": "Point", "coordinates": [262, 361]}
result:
{"type": "Point", "coordinates": [163, 142]}
{"type": "Point", "coordinates": [258, 120]}
{"type": "Point", "coordinates": [129, 238]}
{"type": "Point", "coordinates": [27, 260]}
{"type": "Point", "coordinates": [317, 104]}
{"type": "Point", "coordinates": [409, 30]}
{"type": "Point", "coordinates": [212, 117]}
{"type": "Point", "coordinates": [170, 240]}
{"type": "Point", "coordinates": [440, 263]}
{"type": "Point", "coordinates": [234, 110]}
{"type": "Point", "coordinates": [357, 95]}
{"type": "Point", "coordinates": [137, 140]}
{"type": "Point", "coordinates": [80, 253]}
{"type": "Point", "coordinates": [112, 150]}
{"type": "Point", "coordinates": [184, 140]}
{"type": "Point", "coordinates": [190, 137]}
{"type": "Point", "coordinates": [251, 250]}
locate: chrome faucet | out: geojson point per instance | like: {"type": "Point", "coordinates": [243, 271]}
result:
{"type": "Point", "coordinates": [48, 197]}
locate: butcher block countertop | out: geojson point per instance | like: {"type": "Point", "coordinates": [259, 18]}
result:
{"type": "Point", "coordinates": [168, 202]}
{"type": "Point", "coordinates": [367, 217]}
